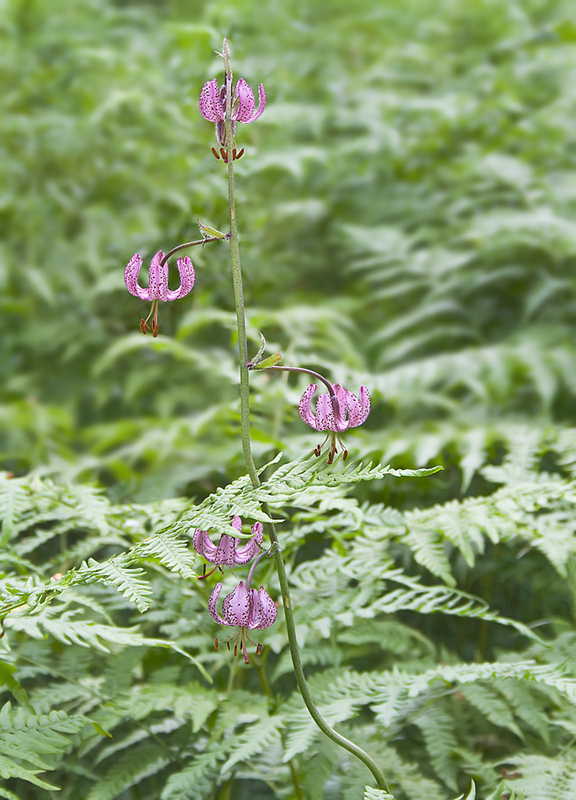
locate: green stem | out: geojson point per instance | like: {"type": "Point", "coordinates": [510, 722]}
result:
{"type": "Point", "coordinates": [316, 375]}
{"type": "Point", "coordinates": [191, 244]}
{"type": "Point", "coordinates": [251, 467]}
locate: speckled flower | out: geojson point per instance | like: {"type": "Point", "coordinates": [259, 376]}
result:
{"type": "Point", "coordinates": [228, 551]}
{"type": "Point", "coordinates": [245, 608]}
{"type": "Point", "coordinates": [334, 412]}
{"type": "Point", "coordinates": [212, 105]}
{"type": "Point", "coordinates": [157, 284]}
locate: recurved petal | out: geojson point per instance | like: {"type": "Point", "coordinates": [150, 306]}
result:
{"type": "Point", "coordinates": [245, 102]}
{"type": "Point", "coordinates": [131, 278]}
{"type": "Point", "coordinates": [158, 278]}
{"type": "Point", "coordinates": [237, 606]}
{"type": "Point", "coordinates": [210, 103]}
{"type": "Point", "coordinates": [305, 406]}
{"type": "Point", "coordinates": [261, 103]}
{"type": "Point", "coordinates": [246, 109]}
{"type": "Point", "coordinates": [257, 529]}
{"type": "Point", "coordinates": [212, 605]}
{"type": "Point", "coordinates": [358, 409]}
{"type": "Point", "coordinates": [203, 546]}
{"type": "Point", "coordinates": [251, 548]}
{"type": "Point", "coordinates": [267, 611]}
{"type": "Point", "coordinates": [187, 278]}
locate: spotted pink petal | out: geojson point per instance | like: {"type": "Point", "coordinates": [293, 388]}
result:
{"type": "Point", "coordinates": [246, 102]}
{"type": "Point", "coordinates": [261, 104]}
{"type": "Point", "coordinates": [210, 103]}
{"type": "Point", "coordinates": [187, 278]}
{"type": "Point", "coordinates": [358, 409]}
{"type": "Point", "coordinates": [251, 548]}
{"type": "Point", "coordinates": [246, 105]}
{"type": "Point", "coordinates": [226, 550]}
{"type": "Point", "coordinates": [131, 278]}
{"type": "Point", "coordinates": [305, 406]}
{"type": "Point", "coordinates": [330, 415]}
{"type": "Point", "coordinates": [267, 611]}
{"type": "Point", "coordinates": [158, 278]}
{"type": "Point", "coordinates": [237, 607]}
{"type": "Point", "coordinates": [212, 605]}
{"type": "Point", "coordinates": [203, 546]}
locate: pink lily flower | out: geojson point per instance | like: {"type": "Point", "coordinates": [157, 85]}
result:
{"type": "Point", "coordinates": [157, 284]}
{"type": "Point", "coordinates": [335, 413]}
{"type": "Point", "coordinates": [245, 608]}
{"type": "Point", "coordinates": [212, 105]}
{"type": "Point", "coordinates": [227, 551]}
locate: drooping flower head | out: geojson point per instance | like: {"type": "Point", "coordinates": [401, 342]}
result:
{"type": "Point", "coordinates": [246, 609]}
{"type": "Point", "coordinates": [213, 101]}
{"type": "Point", "coordinates": [157, 284]}
{"type": "Point", "coordinates": [227, 551]}
{"type": "Point", "coordinates": [335, 413]}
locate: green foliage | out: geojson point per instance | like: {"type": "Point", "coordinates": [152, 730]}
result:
{"type": "Point", "coordinates": [406, 206]}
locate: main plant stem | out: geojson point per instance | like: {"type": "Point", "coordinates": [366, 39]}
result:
{"type": "Point", "coordinates": [251, 467]}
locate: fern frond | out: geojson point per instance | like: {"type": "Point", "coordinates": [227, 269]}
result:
{"type": "Point", "coordinates": [404, 777]}
{"type": "Point", "coordinates": [167, 549]}
{"type": "Point", "coordinates": [253, 740]}
{"type": "Point", "coordinates": [376, 794]}
{"type": "Point", "coordinates": [286, 484]}
{"type": "Point", "coordinates": [129, 770]}
{"type": "Point", "coordinates": [539, 777]}
{"type": "Point", "coordinates": [11, 769]}
{"type": "Point", "coordinates": [437, 727]}
{"type": "Point", "coordinates": [64, 627]}
{"type": "Point", "coordinates": [471, 795]}
{"type": "Point", "coordinates": [492, 706]}
{"type": "Point", "coordinates": [193, 781]}
{"type": "Point", "coordinates": [335, 706]}
{"type": "Point", "coordinates": [27, 739]}
{"type": "Point", "coordinates": [502, 793]}
{"type": "Point", "coordinates": [14, 494]}
{"type": "Point", "coordinates": [125, 579]}
{"type": "Point", "coordinates": [387, 701]}
{"type": "Point", "coordinates": [7, 794]}
{"type": "Point", "coordinates": [319, 764]}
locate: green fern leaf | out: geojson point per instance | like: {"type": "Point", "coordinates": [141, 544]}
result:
{"type": "Point", "coordinates": [253, 741]}
{"type": "Point", "coordinates": [489, 703]}
{"type": "Point", "coordinates": [502, 793]}
{"type": "Point", "coordinates": [376, 794]}
{"type": "Point", "coordinates": [124, 579]}
{"type": "Point", "coordinates": [11, 769]}
{"type": "Point", "coordinates": [13, 501]}
{"type": "Point", "coordinates": [26, 737]}
{"type": "Point", "coordinates": [471, 794]}
{"type": "Point", "coordinates": [8, 795]}
{"type": "Point", "coordinates": [129, 770]}
{"type": "Point", "coordinates": [544, 778]}
{"type": "Point", "coordinates": [193, 781]}
{"type": "Point", "coordinates": [167, 549]}
{"type": "Point", "coordinates": [437, 727]}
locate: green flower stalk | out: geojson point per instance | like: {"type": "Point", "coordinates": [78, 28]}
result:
{"type": "Point", "coordinates": [222, 109]}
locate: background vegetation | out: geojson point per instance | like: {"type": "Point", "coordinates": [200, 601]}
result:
{"type": "Point", "coordinates": [406, 206]}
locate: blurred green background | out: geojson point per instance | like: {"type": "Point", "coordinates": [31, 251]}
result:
{"type": "Point", "coordinates": [406, 211]}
